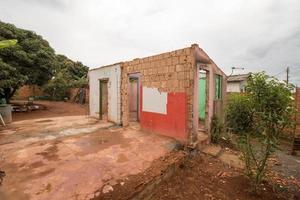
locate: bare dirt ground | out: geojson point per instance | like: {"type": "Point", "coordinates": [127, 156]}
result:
{"type": "Point", "coordinates": [61, 153]}
{"type": "Point", "coordinates": [54, 109]}
{"type": "Point", "coordinates": [200, 177]}
{"type": "Point", "coordinates": [73, 157]}
{"type": "Point", "coordinates": [204, 177]}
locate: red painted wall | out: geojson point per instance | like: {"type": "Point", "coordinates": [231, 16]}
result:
{"type": "Point", "coordinates": [174, 123]}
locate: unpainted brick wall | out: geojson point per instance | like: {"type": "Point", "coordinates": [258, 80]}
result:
{"type": "Point", "coordinates": [297, 102]}
{"type": "Point", "coordinates": [169, 72]}
{"type": "Point", "coordinates": [28, 91]}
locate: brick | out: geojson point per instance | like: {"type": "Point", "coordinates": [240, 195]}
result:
{"type": "Point", "coordinates": [179, 68]}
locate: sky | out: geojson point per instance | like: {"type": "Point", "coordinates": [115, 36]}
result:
{"type": "Point", "coordinates": [257, 35]}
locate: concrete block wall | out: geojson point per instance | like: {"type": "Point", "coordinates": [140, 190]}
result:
{"type": "Point", "coordinates": [171, 72]}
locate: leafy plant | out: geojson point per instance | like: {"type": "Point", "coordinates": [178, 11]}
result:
{"type": "Point", "coordinates": [7, 43]}
{"type": "Point", "coordinates": [29, 61]}
{"type": "Point", "coordinates": [259, 117]}
{"type": "Point", "coordinates": [67, 74]}
{"type": "Point", "coordinates": [216, 129]}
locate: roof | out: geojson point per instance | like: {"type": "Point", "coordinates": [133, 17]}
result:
{"type": "Point", "coordinates": [238, 77]}
{"type": "Point", "coordinates": [111, 65]}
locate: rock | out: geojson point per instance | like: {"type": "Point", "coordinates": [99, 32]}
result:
{"type": "Point", "coordinates": [212, 150]}
{"type": "Point", "coordinates": [107, 189]}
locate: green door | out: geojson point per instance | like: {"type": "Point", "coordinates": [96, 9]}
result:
{"type": "Point", "coordinates": [202, 97]}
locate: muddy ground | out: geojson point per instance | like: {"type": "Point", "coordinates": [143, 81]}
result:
{"type": "Point", "coordinates": [201, 177]}
{"type": "Point", "coordinates": [53, 109]}
{"type": "Point", "coordinates": [204, 177]}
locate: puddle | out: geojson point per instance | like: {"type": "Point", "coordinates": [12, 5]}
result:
{"type": "Point", "coordinates": [44, 121]}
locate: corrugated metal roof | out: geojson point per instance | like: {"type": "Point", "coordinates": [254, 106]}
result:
{"type": "Point", "coordinates": [239, 77]}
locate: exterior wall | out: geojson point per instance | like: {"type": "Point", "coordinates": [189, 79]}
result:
{"type": "Point", "coordinates": [213, 106]}
{"type": "Point", "coordinates": [113, 74]}
{"type": "Point", "coordinates": [169, 78]}
{"type": "Point", "coordinates": [73, 92]}
{"type": "Point", "coordinates": [233, 87]}
{"type": "Point", "coordinates": [236, 86]}
{"type": "Point", "coordinates": [27, 91]}
{"type": "Point", "coordinates": [297, 104]}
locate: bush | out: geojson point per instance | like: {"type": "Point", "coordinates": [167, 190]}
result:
{"type": "Point", "coordinates": [258, 119]}
{"type": "Point", "coordinates": [216, 129]}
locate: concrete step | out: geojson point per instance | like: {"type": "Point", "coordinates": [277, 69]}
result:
{"type": "Point", "coordinates": [202, 140]}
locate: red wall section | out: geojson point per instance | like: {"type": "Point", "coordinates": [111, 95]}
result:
{"type": "Point", "coordinates": [174, 123]}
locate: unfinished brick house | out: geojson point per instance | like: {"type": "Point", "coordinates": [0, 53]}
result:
{"type": "Point", "coordinates": [173, 94]}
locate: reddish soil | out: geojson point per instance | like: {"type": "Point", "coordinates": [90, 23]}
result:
{"type": "Point", "coordinates": [204, 177]}
{"type": "Point", "coordinates": [53, 109]}
{"type": "Point", "coordinates": [197, 177]}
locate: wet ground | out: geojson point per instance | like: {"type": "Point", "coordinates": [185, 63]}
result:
{"type": "Point", "coordinates": [72, 157]}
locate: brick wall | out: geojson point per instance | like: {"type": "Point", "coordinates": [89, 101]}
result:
{"type": "Point", "coordinates": [297, 102]}
{"type": "Point", "coordinates": [28, 91]}
{"type": "Point", "coordinates": [73, 92]}
{"type": "Point", "coordinates": [171, 72]}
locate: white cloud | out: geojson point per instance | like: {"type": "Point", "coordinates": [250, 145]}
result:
{"type": "Point", "coordinates": [258, 35]}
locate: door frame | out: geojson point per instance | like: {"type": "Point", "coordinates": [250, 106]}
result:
{"type": "Point", "coordinates": [101, 81]}
{"type": "Point", "coordinates": [136, 75]}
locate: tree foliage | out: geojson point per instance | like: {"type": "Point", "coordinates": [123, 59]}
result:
{"type": "Point", "coordinates": [7, 43]}
{"type": "Point", "coordinates": [67, 74]}
{"type": "Point", "coordinates": [30, 61]}
{"type": "Point", "coordinates": [259, 117]}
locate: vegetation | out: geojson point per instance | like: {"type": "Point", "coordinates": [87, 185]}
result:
{"type": "Point", "coordinates": [259, 117]}
{"type": "Point", "coordinates": [32, 61]}
{"type": "Point", "coordinates": [216, 129]}
{"type": "Point", "coordinates": [7, 43]}
{"type": "Point", "coordinates": [67, 74]}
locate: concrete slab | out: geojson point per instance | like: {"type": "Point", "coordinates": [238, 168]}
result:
{"type": "Point", "coordinates": [72, 157]}
{"type": "Point", "coordinates": [212, 150]}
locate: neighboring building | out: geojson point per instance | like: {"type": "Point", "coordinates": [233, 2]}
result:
{"type": "Point", "coordinates": [172, 94]}
{"type": "Point", "coordinates": [237, 83]}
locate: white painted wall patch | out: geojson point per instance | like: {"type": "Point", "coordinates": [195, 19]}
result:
{"type": "Point", "coordinates": [154, 100]}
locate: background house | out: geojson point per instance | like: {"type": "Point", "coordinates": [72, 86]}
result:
{"type": "Point", "coordinates": [237, 83]}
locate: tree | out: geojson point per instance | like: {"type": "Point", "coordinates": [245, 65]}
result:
{"type": "Point", "coordinates": [259, 118]}
{"type": "Point", "coordinates": [30, 61]}
{"type": "Point", "coordinates": [67, 74]}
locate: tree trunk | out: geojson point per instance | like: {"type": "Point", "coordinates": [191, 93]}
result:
{"type": "Point", "coordinates": [9, 93]}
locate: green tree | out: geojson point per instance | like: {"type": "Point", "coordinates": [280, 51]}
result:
{"type": "Point", "coordinates": [67, 74]}
{"type": "Point", "coordinates": [259, 117]}
{"type": "Point", "coordinates": [30, 61]}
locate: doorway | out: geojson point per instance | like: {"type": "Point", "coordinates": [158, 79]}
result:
{"type": "Point", "coordinates": [202, 98]}
{"type": "Point", "coordinates": [134, 96]}
{"type": "Point", "coordinates": [103, 97]}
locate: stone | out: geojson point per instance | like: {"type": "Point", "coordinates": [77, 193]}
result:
{"type": "Point", "coordinates": [107, 189]}
{"type": "Point", "coordinates": [232, 160]}
{"type": "Point", "coordinates": [212, 150]}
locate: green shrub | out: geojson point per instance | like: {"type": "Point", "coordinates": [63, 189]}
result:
{"type": "Point", "coordinates": [258, 118]}
{"type": "Point", "coordinates": [216, 129]}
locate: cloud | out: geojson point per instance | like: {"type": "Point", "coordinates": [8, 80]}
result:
{"type": "Point", "coordinates": [258, 35]}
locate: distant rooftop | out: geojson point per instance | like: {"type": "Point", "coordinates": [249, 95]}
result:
{"type": "Point", "coordinates": [238, 77]}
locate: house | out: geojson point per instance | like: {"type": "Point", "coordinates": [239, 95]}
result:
{"type": "Point", "coordinates": [237, 83]}
{"type": "Point", "coordinates": [174, 94]}
{"type": "Point", "coordinates": [105, 99]}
